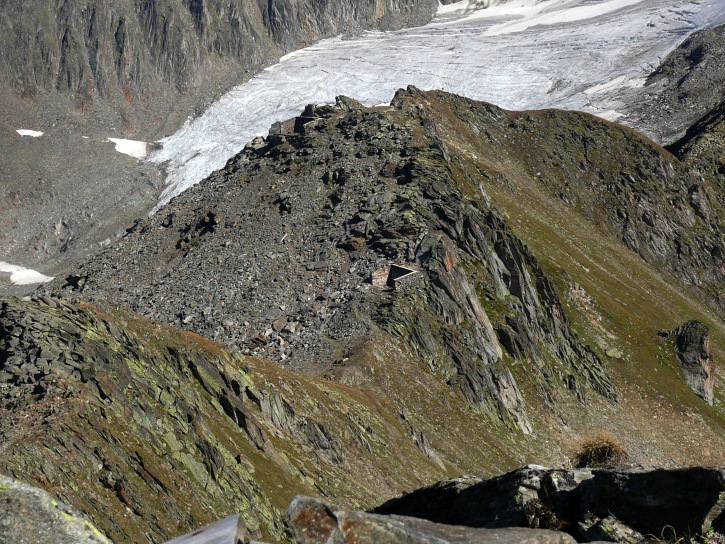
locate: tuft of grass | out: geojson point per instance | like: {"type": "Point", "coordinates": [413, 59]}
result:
{"type": "Point", "coordinates": [602, 450]}
{"type": "Point", "coordinates": [710, 536]}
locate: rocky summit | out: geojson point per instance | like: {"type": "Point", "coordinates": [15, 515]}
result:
{"type": "Point", "coordinates": [292, 253]}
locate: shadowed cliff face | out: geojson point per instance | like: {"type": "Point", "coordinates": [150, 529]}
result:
{"type": "Point", "coordinates": [93, 48]}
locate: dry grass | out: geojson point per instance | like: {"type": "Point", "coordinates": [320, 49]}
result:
{"type": "Point", "coordinates": [708, 537]}
{"type": "Point", "coordinates": [602, 450]}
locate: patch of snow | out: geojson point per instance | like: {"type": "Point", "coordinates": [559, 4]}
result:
{"type": "Point", "coordinates": [609, 115]}
{"type": "Point", "coordinates": [608, 86]}
{"type": "Point", "coordinates": [23, 276]}
{"type": "Point", "coordinates": [521, 54]}
{"type": "Point", "coordinates": [132, 148]}
{"type": "Point", "coordinates": [26, 132]}
{"type": "Point", "coordinates": [616, 83]}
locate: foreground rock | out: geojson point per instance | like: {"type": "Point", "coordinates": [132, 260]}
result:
{"type": "Point", "coordinates": [521, 507]}
{"type": "Point", "coordinates": [29, 514]}
{"type": "Point", "coordinates": [660, 502]}
{"type": "Point", "coordinates": [317, 522]}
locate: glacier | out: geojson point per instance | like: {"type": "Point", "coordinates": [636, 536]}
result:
{"type": "Point", "coordinates": [521, 54]}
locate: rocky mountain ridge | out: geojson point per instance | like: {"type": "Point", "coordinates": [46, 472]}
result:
{"type": "Point", "coordinates": [360, 189]}
{"type": "Point", "coordinates": [290, 253]}
{"type": "Point", "coordinates": [84, 71]}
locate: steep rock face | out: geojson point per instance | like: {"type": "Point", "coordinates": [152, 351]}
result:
{"type": "Point", "coordinates": [692, 340]}
{"type": "Point", "coordinates": [274, 255]}
{"type": "Point", "coordinates": [292, 23]}
{"type": "Point", "coordinates": [627, 185]}
{"type": "Point", "coordinates": [93, 48]}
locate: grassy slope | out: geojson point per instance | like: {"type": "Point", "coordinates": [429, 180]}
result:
{"type": "Point", "coordinates": [126, 445]}
{"type": "Point", "coordinates": [659, 416]}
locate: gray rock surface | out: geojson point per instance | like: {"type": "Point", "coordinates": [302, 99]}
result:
{"type": "Point", "coordinates": [29, 514]}
{"type": "Point", "coordinates": [659, 502]}
{"type": "Point", "coordinates": [317, 522]}
{"type": "Point", "coordinates": [692, 340]}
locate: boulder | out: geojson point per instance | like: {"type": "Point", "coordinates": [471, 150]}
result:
{"type": "Point", "coordinates": [316, 522]}
{"type": "Point", "coordinates": [698, 363]}
{"type": "Point", "coordinates": [29, 514]}
{"type": "Point", "coordinates": [660, 502]}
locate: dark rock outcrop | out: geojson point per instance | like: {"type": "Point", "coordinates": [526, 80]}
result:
{"type": "Point", "coordinates": [317, 522]}
{"type": "Point", "coordinates": [692, 341]}
{"type": "Point", "coordinates": [659, 503]}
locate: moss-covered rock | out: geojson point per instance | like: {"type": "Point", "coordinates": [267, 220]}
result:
{"type": "Point", "coordinates": [30, 514]}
